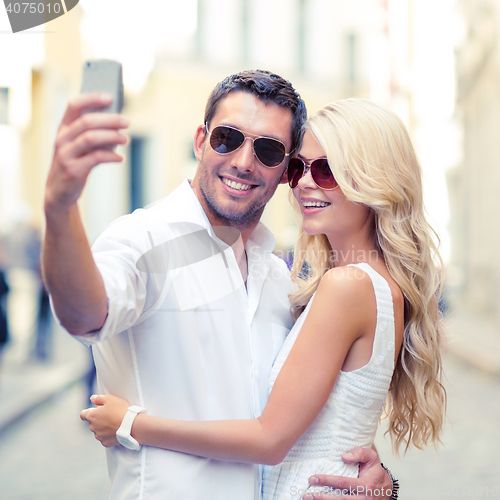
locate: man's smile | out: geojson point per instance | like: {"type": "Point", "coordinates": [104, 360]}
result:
{"type": "Point", "coordinates": [237, 185]}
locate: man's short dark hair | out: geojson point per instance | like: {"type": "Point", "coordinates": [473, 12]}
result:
{"type": "Point", "coordinates": [268, 87]}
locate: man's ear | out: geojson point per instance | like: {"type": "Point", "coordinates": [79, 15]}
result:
{"type": "Point", "coordinates": [284, 177]}
{"type": "Point", "coordinates": [199, 142]}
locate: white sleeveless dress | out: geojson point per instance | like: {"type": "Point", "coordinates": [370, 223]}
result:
{"type": "Point", "coordinates": [351, 415]}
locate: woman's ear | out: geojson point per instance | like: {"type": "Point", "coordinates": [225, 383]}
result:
{"type": "Point", "coordinates": [199, 142]}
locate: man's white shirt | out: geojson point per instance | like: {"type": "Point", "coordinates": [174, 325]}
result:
{"type": "Point", "coordinates": [186, 339]}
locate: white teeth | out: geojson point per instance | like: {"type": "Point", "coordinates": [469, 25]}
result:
{"type": "Point", "coordinates": [309, 204]}
{"type": "Point", "coordinates": [236, 185]}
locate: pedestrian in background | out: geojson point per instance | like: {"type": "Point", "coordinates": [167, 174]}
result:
{"type": "Point", "coordinates": [4, 290]}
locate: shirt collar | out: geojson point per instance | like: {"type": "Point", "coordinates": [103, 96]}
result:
{"type": "Point", "coordinates": [182, 205]}
{"type": "Point", "coordinates": [262, 237]}
{"type": "Point", "coordinates": [192, 212]}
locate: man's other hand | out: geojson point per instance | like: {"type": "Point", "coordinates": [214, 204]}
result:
{"type": "Point", "coordinates": [373, 481]}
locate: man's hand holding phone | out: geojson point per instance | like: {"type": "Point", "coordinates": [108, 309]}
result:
{"type": "Point", "coordinates": [80, 146]}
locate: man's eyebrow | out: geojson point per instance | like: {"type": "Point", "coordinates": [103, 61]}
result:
{"type": "Point", "coordinates": [270, 136]}
{"type": "Point", "coordinates": [276, 138]}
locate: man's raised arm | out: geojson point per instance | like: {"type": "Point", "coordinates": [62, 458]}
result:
{"type": "Point", "coordinates": [69, 270]}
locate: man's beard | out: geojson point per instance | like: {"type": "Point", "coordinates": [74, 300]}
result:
{"type": "Point", "coordinates": [228, 216]}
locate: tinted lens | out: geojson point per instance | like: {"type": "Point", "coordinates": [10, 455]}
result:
{"type": "Point", "coordinates": [322, 175]}
{"type": "Point", "coordinates": [226, 140]}
{"type": "Point", "coordinates": [295, 171]}
{"type": "Point", "coordinates": [269, 151]}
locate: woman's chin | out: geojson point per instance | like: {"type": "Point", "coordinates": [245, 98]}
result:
{"type": "Point", "coordinates": [312, 229]}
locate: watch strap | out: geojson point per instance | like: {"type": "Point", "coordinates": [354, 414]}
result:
{"type": "Point", "coordinates": [126, 427]}
{"type": "Point", "coordinates": [395, 483]}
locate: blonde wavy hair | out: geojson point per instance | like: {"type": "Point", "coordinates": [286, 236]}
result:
{"type": "Point", "coordinates": [371, 156]}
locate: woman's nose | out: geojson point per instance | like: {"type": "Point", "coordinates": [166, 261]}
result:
{"type": "Point", "coordinates": [306, 181]}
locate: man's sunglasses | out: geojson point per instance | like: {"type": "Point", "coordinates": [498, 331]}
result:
{"type": "Point", "coordinates": [320, 173]}
{"type": "Point", "coordinates": [225, 140]}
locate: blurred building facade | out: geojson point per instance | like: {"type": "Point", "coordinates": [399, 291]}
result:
{"type": "Point", "coordinates": [474, 183]}
{"type": "Point", "coordinates": [329, 49]}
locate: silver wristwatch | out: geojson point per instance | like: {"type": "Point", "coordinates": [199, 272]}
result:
{"type": "Point", "coordinates": [123, 433]}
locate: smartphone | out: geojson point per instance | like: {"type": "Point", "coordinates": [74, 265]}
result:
{"type": "Point", "coordinates": [104, 75]}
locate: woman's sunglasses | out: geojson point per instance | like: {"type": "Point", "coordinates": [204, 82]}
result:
{"type": "Point", "coordinates": [320, 173]}
{"type": "Point", "coordinates": [225, 140]}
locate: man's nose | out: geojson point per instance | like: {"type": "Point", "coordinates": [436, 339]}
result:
{"type": "Point", "coordinates": [244, 158]}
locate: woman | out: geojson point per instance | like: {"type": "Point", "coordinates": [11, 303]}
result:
{"type": "Point", "coordinates": [367, 332]}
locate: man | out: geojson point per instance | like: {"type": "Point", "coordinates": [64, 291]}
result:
{"type": "Point", "coordinates": [183, 302]}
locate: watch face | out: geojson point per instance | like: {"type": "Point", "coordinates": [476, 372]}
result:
{"type": "Point", "coordinates": [128, 441]}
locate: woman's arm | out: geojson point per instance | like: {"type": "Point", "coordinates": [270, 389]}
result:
{"type": "Point", "coordinates": [299, 393]}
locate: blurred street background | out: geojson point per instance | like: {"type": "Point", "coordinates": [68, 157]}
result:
{"type": "Point", "coordinates": [435, 63]}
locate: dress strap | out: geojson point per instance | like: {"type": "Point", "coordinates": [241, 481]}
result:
{"type": "Point", "coordinates": [385, 331]}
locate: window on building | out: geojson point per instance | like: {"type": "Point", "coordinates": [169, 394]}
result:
{"type": "Point", "coordinates": [200, 25]}
{"type": "Point", "coordinates": [351, 58]}
{"type": "Point", "coordinates": [245, 30]}
{"type": "Point", "coordinates": [302, 36]}
{"type": "Point", "coordinates": [137, 154]}
{"type": "Point", "coordinates": [4, 105]}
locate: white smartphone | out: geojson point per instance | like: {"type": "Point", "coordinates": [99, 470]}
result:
{"type": "Point", "coordinates": [104, 75]}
